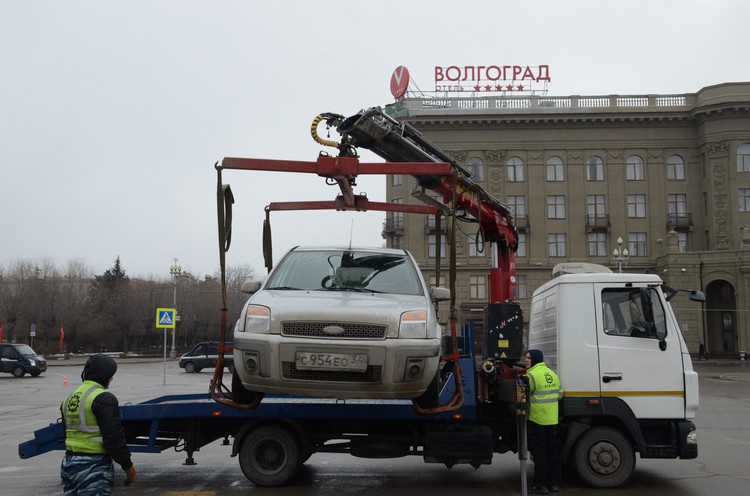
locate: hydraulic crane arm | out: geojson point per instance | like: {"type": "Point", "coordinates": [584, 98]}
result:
{"type": "Point", "coordinates": [396, 141]}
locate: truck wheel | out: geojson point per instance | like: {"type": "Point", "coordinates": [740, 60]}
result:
{"type": "Point", "coordinates": [603, 458]}
{"type": "Point", "coordinates": [269, 456]}
{"type": "Point", "coordinates": [18, 371]}
{"type": "Point", "coordinates": [189, 367]}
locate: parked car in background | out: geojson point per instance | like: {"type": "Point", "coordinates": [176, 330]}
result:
{"type": "Point", "coordinates": [340, 323]}
{"type": "Point", "coordinates": [204, 355]}
{"type": "Point", "coordinates": [20, 359]}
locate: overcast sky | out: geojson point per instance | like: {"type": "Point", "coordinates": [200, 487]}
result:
{"type": "Point", "coordinates": [112, 114]}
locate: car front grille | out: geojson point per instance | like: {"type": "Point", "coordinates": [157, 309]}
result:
{"type": "Point", "coordinates": [371, 375]}
{"type": "Point", "coordinates": [352, 330]}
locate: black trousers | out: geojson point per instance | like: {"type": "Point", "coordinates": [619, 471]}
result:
{"type": "Point", "coordinates": [544, 448]}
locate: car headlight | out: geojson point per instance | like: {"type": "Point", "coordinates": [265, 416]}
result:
{"type": "Point", "coordinates": [413, 325]}
{"type": "Point", "coordinates": [32, 363]}
{"type": "Point", "coordinates": [258, 319]}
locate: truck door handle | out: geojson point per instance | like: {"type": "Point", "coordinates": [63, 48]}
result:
{"type": "Point", "coordinates": [613, 377]}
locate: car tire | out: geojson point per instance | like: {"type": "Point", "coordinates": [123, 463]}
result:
{"type": "Point", "coordinates": [242, 395]}
{"type": "Point", "coordinates": [18, 371]}
{"type": "Point", "coordinates": [190, 367]}
{"type": "Point", "coordinates": [270, 455]}
{"type": "Point", "coordinates": [431, 397]}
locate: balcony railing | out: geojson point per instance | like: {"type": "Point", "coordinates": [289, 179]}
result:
{"type": "Point", "coordinates": [680, 221]}
{"type": "Point", "coordinates": [597, 222]}
{"type": "Point", "coordinates": [393, 226]}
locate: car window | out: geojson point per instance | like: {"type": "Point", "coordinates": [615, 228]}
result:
{"type": "Point", "coordinates": [346, 271]}
{"type": "Point", "coordinates": [25, 350]}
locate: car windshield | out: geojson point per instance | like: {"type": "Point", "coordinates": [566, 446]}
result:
{"type": "Point", "coordinates": [361, 271]}
{"type": "Point", "coordinates": [25, 350]}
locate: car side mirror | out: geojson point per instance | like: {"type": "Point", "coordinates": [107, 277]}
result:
{"type": "Point", "coordinates": [250, 287]}
{"type": "Point", "coordinates": [440, 294]}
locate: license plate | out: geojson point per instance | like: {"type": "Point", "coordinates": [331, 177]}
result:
{"type": "Point", "coordinates": [350, 362]}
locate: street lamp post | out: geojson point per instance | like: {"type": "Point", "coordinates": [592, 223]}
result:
{"type": "Point", "coordinates": [175, 270]}
{"type": "Point", "coordinates": [621, 255]}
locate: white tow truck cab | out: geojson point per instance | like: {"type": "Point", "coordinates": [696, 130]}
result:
{"type": "Point", "coordinates": [628, 380]}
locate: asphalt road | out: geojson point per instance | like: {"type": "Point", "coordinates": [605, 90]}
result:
{"type": "Point", "coordinates": [31, 403]}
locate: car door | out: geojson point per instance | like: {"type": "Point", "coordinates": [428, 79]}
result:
{"type": "Point", "coordinates": [632, 364]}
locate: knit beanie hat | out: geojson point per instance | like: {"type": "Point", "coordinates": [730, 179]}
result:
{"type": "Point", "coordinates": [536, 356]}
{"type": "Point", "coordinates": [99, 368]}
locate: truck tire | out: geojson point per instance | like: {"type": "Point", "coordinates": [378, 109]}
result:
{"type": "Point", "coordinates": [270, 456]}
{"type": "Point", "coordinates": [189, 367]}
{"type": "Point", "coordinates": [603, 458]}
{"type": "Point", "coordinates": [18, 371]}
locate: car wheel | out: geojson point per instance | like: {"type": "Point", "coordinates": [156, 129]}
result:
{"type": "Point", "coordinates": [18, 371]}
{"type": "Point", "coordinates": [270, 455]}
{"type": "Point", "coordinates": [189, 367]}
{"type": "Point", "coordinates": [242, 395]}
{"type": "Point", "coordinates": [603, 458]}
{"type": "Point", "coordinates": [431, 397]}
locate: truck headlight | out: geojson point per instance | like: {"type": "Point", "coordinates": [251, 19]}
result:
{"type": "Point", "coordinates": [413, 325]}
{"type": "Point", "coordinates": [692, 437]}
{"type": "Point", "coordinates": [258, 319]}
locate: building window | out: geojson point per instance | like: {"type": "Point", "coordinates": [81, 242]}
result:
{"type": "Point", "coordinates": [743, 195]}
{"type": "Point", "coordinates": [433, 281]}
{"type": "Point", "coordinates": [682, 242]}
{"type": "Point", "coordinates": [397, 179]}
{"type": "Point", "coordinates": [597, 244]}
{"type": "Point", "coordinates": [595, 169]}
{"type": "Point", "coordinates": [478, 287]}
{"type": "Point", "coordinates": [521, 251]}
{"type": "Point", "coordinates": [675, 168]}
{"type": "Point", "coordinates": [676, 206]}
{"type": "Point", "coordinates": [476, 166]}
{"type": "Point", "coordinates": [555, 169]}
{"type": "Point", "coordinates": [471, 241]}
{"type": "Point", "coordinates": [518, 203]}
{"type": "Point", "coordinates": [555, 207]}
{"type": "Point", "coordinates": [521, 287]}
{"type": "Point", "coordinates": [515, 170]}
{"type": "Point", "coordinates": [556, 244]}
{"type": "Point", "coordinates": [637, 244]}
{"type": "Point", "coordinates": [432, 245]}
{"type": "Point", "coordinates": [634, 168]}
{"type": "Point", "coordinates": [595, 208]}
{"type": "Point", "coordinates": [743, 158]}
{"type": "Point", "coordinates": [397, 218]}
{"type": "Point", "coordinates": [637, 206]}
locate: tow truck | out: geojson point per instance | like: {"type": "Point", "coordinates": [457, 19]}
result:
{"type": "Point", "coordinates": [482, 406]}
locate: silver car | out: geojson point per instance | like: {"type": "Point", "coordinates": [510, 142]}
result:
{"type": "Point", "coordinates": [340, 323]}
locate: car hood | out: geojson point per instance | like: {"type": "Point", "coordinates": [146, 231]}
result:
{"type": "Point", "coordinates": [339, 305]}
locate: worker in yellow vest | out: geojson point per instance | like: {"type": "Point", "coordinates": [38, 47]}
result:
{"type": "Point", "coordinates": [545, 392]}
{"type": "Point", "coordinates": [94, 436]}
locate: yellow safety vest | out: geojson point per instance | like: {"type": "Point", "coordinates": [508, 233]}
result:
{"type": "Point", "coordinates": [82, 434]}
{"type": "Point", "coordinates": [545, 393]}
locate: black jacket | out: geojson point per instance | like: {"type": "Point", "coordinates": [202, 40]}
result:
{"type": "Point", "coordinates": [106, 409]}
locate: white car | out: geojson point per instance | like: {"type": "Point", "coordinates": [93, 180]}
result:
{"type": "Point", "coordinates": [340, 323]}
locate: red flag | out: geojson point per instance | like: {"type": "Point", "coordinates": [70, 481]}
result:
{"type": "Point", "coordinates": [62, 335]}
{"type": "Point", "coordinates": [1, 331]}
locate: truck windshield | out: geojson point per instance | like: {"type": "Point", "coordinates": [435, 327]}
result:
{"type": "Point", "coordinates": [361, 271]}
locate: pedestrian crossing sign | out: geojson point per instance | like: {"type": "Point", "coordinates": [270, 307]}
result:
{"type": "Point", "coordinates": [165, 318]}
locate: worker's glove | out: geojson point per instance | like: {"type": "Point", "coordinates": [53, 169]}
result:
{"type": "Point", "coordinates": [131, 475]}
